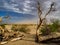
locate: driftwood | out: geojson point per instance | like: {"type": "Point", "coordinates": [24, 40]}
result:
{"type": "Point", "coordinates": [2, 43]}
{"type": "Point", "coordinates": [15, 39]}
{"type": "Point", "coordinates": [12, 40]}
{"type": "Point", "coordinates": [53, 37]}
{"type": "Point", "coordinates": [52, 40]}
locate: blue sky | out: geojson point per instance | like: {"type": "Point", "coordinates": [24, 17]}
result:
{"type": "Point", "coordinates": [24, 11]}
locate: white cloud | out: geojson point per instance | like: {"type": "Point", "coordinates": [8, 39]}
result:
{"type": "Point", "coordinates": [8, 6]}
{"type": "Point", "coordinates": [12, 7]}
{"type": "Point", "coordinates": [47, 4]}
{"type": "Point", "coordinates": [27, 7]}
{"type": "Point", "coordinates": [27, 1]}
{"type": "Point", "coordinates": [20, 6]}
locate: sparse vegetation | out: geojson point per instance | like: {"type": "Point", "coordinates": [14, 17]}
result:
{"type": "Point", "coordinates": [14, 28]}
{"type": "Point", "coordinates": [2, 25]}
{"type": "Point", "coordinates": [45, 31]}
{"type": "Point", "coordinates": [50, 28]}
{"type": "Point", "coordinates": [23, 29]}
{"type": "Point", "coordinates": [55, 25]}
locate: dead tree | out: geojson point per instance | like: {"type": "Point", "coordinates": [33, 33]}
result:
{"type": "Point", "coordinates": [7, 18]}
{"type": "Point", "coordinates": [41, 19]}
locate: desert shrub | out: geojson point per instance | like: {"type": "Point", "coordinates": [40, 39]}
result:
{"type": "Point", "coordinates": [45, 30]}
{"type": "Point", "coordinates": [55, 25]}
{"type": "Point", "coordinates": [53, 29]}
{"type": "Point", "coordinates": [50, 28]}
{"type": "Point", "coordinates": [24, 29]}
{"type": "Point", "coordinates": [2, 25]}
{"type": "Point", "coordinates": [14, 28]}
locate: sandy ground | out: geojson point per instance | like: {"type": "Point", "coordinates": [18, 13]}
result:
{"type": "Point", "coordinates": [28, 41]}
{"type": "Point", "coordinates": [22, 42]}
{"type": "Point", "coordinates": [25, 42]}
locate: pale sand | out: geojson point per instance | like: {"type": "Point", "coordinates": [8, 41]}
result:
{"type": "Point", "coordinates": [24, 42]}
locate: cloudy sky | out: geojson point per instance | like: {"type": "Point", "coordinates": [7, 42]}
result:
{"type": "Point", "coordinates": [24, 11]}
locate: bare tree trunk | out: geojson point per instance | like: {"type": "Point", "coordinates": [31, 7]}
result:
{"type": "Point", "coordinates": [36, 38]}
{"type": "Point", "coordinates": [37, 35]}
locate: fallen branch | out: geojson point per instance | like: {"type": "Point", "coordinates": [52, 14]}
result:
{"type": "Point", "coordinates": [48, 37]}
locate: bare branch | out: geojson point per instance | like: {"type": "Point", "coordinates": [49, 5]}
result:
{"type": "Point", "coordinates": [39, 14]}
{"type": "Point", "coordinates": [39, 24]}
{"type": "Point", "coordinates": [7, 17]}
{"type": "Point", "coordinates": [39, 9]}
{"type": "Point", "coordinates": [51, 7]}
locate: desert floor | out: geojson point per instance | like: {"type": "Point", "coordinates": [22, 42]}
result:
{"type": "Point", "coordinates": [28, 41]}
{"type": "Point", "coordinates": [25, 42]}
